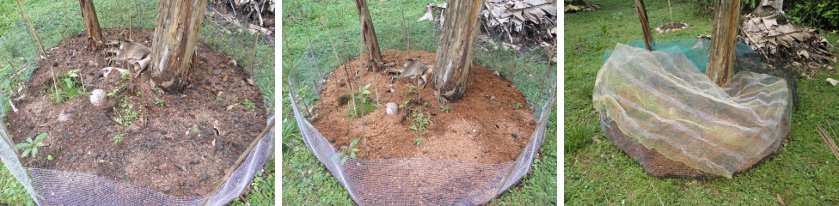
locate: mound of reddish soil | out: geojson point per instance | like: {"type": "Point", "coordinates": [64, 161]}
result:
{"type": "Point", "coordinates": [491, 124]}
{"type": "Point", "coordinates": [180, 148]}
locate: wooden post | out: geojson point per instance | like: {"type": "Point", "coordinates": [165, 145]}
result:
{"type": "Point", "coordinates": [173, 44]}
{"type": "Point", "coordinates": [91, 23]}
{"type": "Point", "coordinates": [454, 52]}
{"type": "Point", "coordinates": [723, 48]}
{"type": "Point", "coordinates": [645, 23]}
{"type": "Point", "coordinates": [369, 33]}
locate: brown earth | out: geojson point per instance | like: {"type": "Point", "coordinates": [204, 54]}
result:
{"type": "Point", "coordinates": [491, 124]}
{"type": "Point", "coordinates": [182, 148]}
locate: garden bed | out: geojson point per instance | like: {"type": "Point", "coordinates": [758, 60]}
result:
{"type": "Point", "coordinates": [491, 124]}
{"type": "Point", "coordinates": [176, 143]}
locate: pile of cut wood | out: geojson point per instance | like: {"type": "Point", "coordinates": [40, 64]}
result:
{"type": "Point", "coordinates": [514, 23]}
{"type": "Point", "coordinates": [782, 42]}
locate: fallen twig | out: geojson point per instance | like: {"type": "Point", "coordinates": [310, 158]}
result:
{"type": "Point", "coordinates": [829, 140]}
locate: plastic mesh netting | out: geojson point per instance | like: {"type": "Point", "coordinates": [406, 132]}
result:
{"type": "Point", "coordinates": [411, 181]}
{"type": "Point", "coordinates": [53, 187]}
{"type": "Point", "coordinates": [663, 111]}
{"type": "Point", "coordinates": [56, 21]}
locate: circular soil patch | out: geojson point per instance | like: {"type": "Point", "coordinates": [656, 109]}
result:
{"type": "Point", "coordinates": [179, 144]}
{"type": "Point", "coordinates": [491, 124]}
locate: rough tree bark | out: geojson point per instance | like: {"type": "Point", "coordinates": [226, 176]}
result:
{"type": "Point", "coordinates": [173, 44]}
{"type": "Point", "coordinates": [91, 23]}
{"type": "Point", "coordinates": [454, 51]}
{"type": "Point", "coordinates": [722, 51]}
{"type": "Point", "coordinates": [369, 34]}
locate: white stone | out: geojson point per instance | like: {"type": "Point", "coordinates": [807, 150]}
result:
{"type": "Point", "coordinates": [391, 109]}
{"type": "Point", "coordinates": [97, 97]}
{"type": "Point", "coordinates": [63, 117]}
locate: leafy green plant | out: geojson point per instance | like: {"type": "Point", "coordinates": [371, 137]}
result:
{"type": "Point", "coordinates": [247, 104]}
{"type": "Point", "coordinates": [444, 108]}
{"type": "Point", "coordinates": [159, 102]}
{"type": "Point", "coordinates": [125, 114]}
{"type": "Point", "coordinates": [518, 105]}
{"type": "Point", "coordinates": [418, 141]}
{"type": "Point", "coordinates": [118, 138]}
{"type": "Point", "coordinates": [412, 89]}
{"type": "Point", "coordinates": [364, 104]}
{"type": "Point", "coordinates": [67, 88]}
{"type": "Point", "coordinates": [822, 14]}
{"type": "Point", "coordinates": [420, 121]}
{"type": "Point", "coordinates": [31, 145]}
{"type": "Point", "coordinates": [114, 91]}
{"type": "Point", "coordinates": [220, 99]}
{"type": "Point", "coordinates": [307, 98]}
{"type": "Point", "coordinates": [349, 151]}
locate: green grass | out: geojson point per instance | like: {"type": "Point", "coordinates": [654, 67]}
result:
{"type": "Point", "coordinates": [803, 172]}
{"type": "Point", "coordinates": [59, 20]}
{"type": "Point", "coordinates": [308, 56]}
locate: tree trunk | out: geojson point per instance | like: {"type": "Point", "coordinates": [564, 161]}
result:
{"type": "Point", "coordinates": [369, 35]}
{"type": "Point", "coordinates": [91, 23]}
{"type": "Point", "coordinates": [723, 50]}
{"type": "Point", "coordinates": [645, 23]}
{"type": "Point", "coordinates": [454, 52]}
{"type": "Point", "coordinates": [173, 45]}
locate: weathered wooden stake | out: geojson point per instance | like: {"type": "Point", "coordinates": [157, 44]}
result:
{"type": "Point", "coordinates": [723, 48]}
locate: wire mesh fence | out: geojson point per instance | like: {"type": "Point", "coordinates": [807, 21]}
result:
{"type": "Point", "coordinates": [412, 180]}
{"type": "Point", "coordinates": [56, 21]}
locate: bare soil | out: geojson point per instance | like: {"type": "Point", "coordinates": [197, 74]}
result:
{"type": "Point", "coordinates": [491, 124]}
{"type": "Point", "coordinates": [182, 148]}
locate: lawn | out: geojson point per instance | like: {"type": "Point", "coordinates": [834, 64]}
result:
{"type": "Point", "coordinates": [308, 55]}
{"type": "Point", "coordinates": [58, 20]}
{"type": "Point", "coordinates": [803, 172]}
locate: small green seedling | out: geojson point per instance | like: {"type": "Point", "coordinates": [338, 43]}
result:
{"type": "Point", "coordinates": [418, 141]}
{"type": "Point", "coordinates": [114, 92]}
{"type": "Point", "coordinates": [118, 138]}
{"type": "Point", "coordinates": [412, 89]}
{"type": "Point", "coordinates": [195, 130]}
{"type": "Point", "coordinates": [363, 104]}
{"type": "Point", "coordinates": [126, 114]}
{"type": "Point", "coordinates": [444, 109]}
{"type": "Point", "coordinates": [518, 106]}
{"type": "Point", "coordinates": [349, 151]}
{"type": "Point", "coordinates": [49, 157]}
{"type": "Point", "coordinates": [220, 99]}
{"type": "Point", "coordinates": [67, 88]}
{"type": "Point", "coordinates": [31, 145]}
{"type": "Point", "coordinates": [124, 76]}
{"type": "Point", "coordinates": [159, 102]}
{"type": "Point", "coordinates": [248, 104]}
{"type": "Point", "coordinates": [420, 121]}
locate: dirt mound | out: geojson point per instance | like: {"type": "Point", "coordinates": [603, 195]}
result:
{"type": "Point", "coordinates": [179, 144]}
{"type": "Point", "coordinates": [491, 124]}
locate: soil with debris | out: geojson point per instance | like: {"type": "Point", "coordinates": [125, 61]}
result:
{"type": "Point", "coordinates": [491, 124]}
{"type": "Point", "coordinates": [671, 27]}
{"type": "Point", "coordinates": [180, 146]}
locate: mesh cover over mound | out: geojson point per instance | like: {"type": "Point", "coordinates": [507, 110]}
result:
{"type": "Point", "coordinates": [661, 110]}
